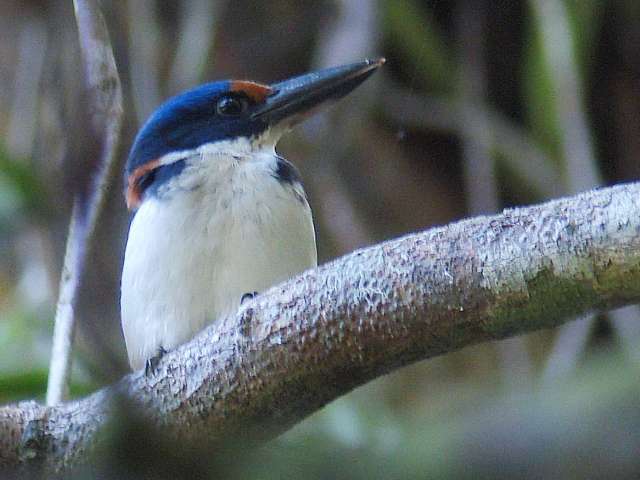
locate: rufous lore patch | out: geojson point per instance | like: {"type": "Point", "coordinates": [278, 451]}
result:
{"type": "Point", "coordinates": [134, 191]}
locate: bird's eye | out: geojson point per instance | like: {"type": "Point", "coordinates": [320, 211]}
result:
{"type": "Point", "coordinates": [230, 106]}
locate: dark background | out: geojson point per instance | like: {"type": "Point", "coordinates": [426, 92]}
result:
{"type": "Point", "coordinates": [482, 105]}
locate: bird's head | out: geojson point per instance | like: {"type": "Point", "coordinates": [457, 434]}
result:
{"type": "Point", "coordinates": [230, 111]}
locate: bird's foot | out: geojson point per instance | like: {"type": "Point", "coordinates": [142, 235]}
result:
{"type": "Point", "coordinates": [247, 296]}
{"type": "Point", "coordinates": [151, 365]}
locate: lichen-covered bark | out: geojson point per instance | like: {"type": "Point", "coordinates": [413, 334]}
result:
{"type": "Point", "coordinates": [305, 342]}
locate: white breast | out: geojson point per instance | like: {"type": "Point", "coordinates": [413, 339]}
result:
{"type": "Point", "coordinates": [224, 228]}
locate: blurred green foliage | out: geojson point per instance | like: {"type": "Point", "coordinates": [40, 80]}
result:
{"type": "Point", "coordinates": [539, 96]}
{"type": "Point", "coordinates": [22, 193]}
{"type": "Point", "coordinates": [418, 38]}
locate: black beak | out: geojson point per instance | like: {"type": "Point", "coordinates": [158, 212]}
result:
{"type": "Point", "coordinates": [293, 98]}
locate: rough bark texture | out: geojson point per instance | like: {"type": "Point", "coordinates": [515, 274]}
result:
{"type": "Point", "coordinates": [306, 342]}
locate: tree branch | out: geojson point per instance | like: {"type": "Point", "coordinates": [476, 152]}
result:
{"type": "Point", "coordinates": [301, 344]}
{"type": "Point", "coordinates": [104, 84]}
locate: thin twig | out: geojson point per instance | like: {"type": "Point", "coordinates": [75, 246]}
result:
{"type": "Point", "coordinates": [481, 187]}
{"type": "Point", "coordinates": [195, 42]}
{"type": "Point", "coordinates": [351, 36]}
{"type": "Point", "coordinates": [557, 43]}
{"type": "Point", "coordinates": [144, 50]}
{"type": "Point", "coordinates": [104, 84]}
{"type": "Point", "coordinates": [521, 155]}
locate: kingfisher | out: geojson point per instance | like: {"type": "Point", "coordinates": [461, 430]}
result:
{"type": "Point", "coordinates": [218, 214]}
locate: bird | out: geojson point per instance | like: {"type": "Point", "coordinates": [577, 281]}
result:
{"type": "Point", "coordinates": [217, 214]}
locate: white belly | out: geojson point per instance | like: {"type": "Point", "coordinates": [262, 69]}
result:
{"type": "Point", "coordinates": [192, 255]}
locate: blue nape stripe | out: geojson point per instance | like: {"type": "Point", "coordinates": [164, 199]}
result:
{"type": "Point", "coordinates": [157, 177]}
